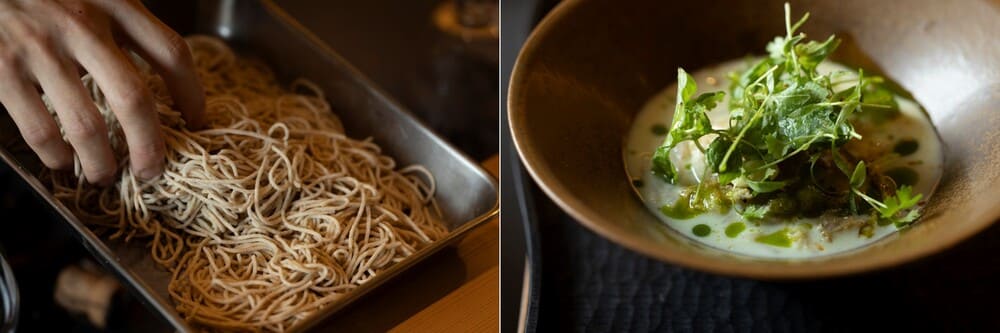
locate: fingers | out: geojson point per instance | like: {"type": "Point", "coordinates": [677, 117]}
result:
{"type": "Point", "coordinates": [33, 120]}
{"type": "Point", "coordinates": [83, 124]}
{"type": "Point", "coordinates": [129, 99]}
{"type": "Point", "coordinates": [168, 53]}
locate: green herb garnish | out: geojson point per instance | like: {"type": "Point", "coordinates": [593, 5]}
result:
{"type": "Point", "coordinates": [899, 209]}
{"type": "Point", "coordinates": [783, 153]}
{"type": "Point", "coordinates": [681, 209]}
{"type": "Point", "coordinates": [690, 122]}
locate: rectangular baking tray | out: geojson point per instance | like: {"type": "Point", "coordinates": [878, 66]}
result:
{"type": "Point", "coordinates": [467, 195]}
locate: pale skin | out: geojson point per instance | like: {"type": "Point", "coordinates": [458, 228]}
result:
{"type": "Point", "coordinates": [46, 45]}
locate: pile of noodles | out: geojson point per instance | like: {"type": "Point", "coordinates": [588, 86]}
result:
{"type": "Point", "coordinates": [267, 214]}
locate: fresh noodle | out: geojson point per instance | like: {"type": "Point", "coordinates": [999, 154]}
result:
{"type": "Point", "coordinates": [270, 212]}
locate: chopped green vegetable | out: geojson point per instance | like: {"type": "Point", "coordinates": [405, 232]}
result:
{"type": "Point", "coordinates": [783, 205]}
{"type": "Point", "coordinates": [637, 183]}
{"type": "Point", "coordinates": [755, 212]}
{"type": "Point", "coordinates": [867, 230]}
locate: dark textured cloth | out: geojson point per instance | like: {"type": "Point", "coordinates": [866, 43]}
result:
{"type": "Point", "coordinates": [592, 285]}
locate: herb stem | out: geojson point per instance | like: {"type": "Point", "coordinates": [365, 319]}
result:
{"type": "Point", "coordinates": [743, 131]}
{"type": "Point", "coordinates": [870, 200]}
{"type": "Point", "coordinates": [698, 145]}
{"type": "Point", "coordinates": [769, 72]}
{"type": "Point", "coordinates": [788, 36]}
{"type": "Point", "coordinates": [783, 158]}
{"type": "Point", "coordinates": [757, 113]}
{"type": "Point", "coordinates": [881, 106]}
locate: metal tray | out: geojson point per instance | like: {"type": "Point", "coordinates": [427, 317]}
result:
{"type": "Point", "coordinates": [466, 194]}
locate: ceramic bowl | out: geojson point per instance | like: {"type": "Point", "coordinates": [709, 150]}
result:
{"type": "Point", "coordinates": [590, 65]}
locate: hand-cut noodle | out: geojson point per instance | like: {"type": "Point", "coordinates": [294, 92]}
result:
{"type": "Point", "coordinates": [270, 212]}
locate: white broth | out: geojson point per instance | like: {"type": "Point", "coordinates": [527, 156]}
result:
{"type": "Point", "coordinates": [649, 130]}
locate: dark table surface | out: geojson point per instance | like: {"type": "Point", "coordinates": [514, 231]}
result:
{"type": "Point", "coordinates": [589, 284]}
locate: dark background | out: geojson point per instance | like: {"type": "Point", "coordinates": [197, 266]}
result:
{"type": "Point", "coordinates": [585, 283]}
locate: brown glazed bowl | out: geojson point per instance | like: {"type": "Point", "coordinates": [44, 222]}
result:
{"type": "Point", "coordinates": [590, 65]}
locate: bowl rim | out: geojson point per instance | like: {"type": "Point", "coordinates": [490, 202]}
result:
{"type": "Point", "coordinates": [9, 297]}
{"type": "Point", "coordinates": [768, 269]}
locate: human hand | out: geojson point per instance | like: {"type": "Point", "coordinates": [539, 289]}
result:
{"type": "Point", "coordinates": [42, 45]}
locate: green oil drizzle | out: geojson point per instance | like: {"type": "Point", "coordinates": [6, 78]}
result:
{"type": "Point", "coordinates": [698, 199]}
{"type": "Point", "coordinates": [780, 238]}
{"type": "Point", "coordinates": [681, 209]}
{"type": "Point", "coordinates": [906, 147]}
{"type": "Point", "coordinates": [735, 229]}
{"type": "Point", "coordinates": [903, 176]}
{"type": "Point", "coordinates": [701, 230]}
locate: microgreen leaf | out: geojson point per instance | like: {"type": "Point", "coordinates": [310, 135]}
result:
{"type": "Point", "coordinates": [662, 166]}
{"type": "Point", "coordinates": [716, 151]}
{"type": "Point", "coordinates": [879, 102]}
{"type": "Point", "coordinates": [812, 53]}
{"type": "Point", "coordinates": [709, 100]}
{"type": "Point", "coordinates": [903, 200]}
{"type": "Point", "coordinates": [686, 87]}
{"type": "Point", "coordinates": [858, 176]}
{"type": "Point", "coordinates": [690, 122]}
